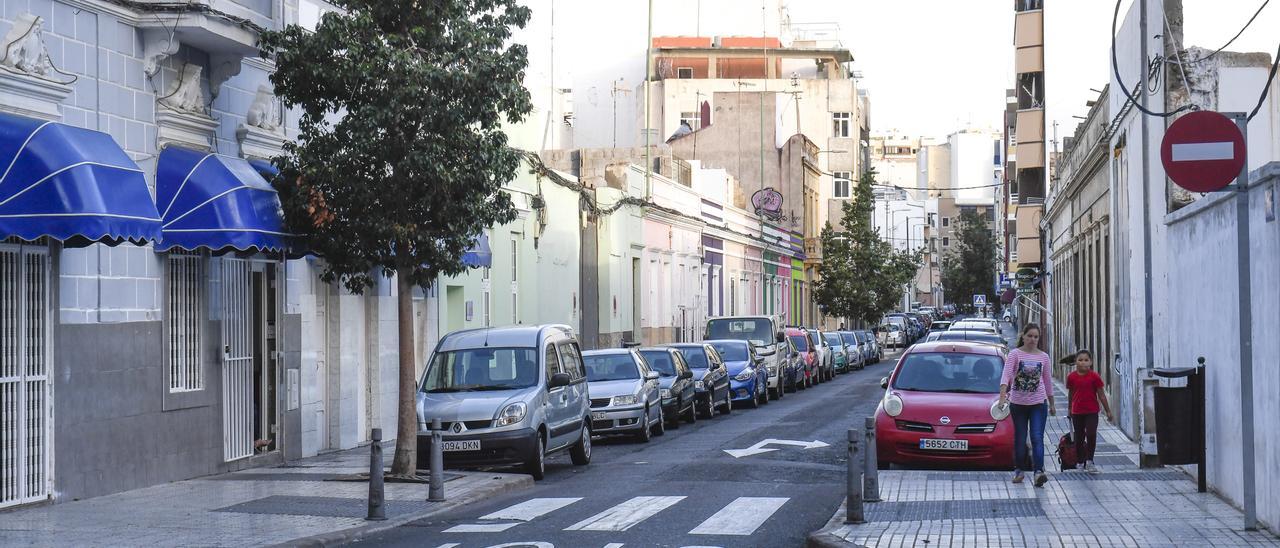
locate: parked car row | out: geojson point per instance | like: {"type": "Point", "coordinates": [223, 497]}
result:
{"type": "Point", "coordinates": [514, 395]}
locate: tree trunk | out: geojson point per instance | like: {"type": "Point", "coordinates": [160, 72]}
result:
{"type": "Point", "coordinates": [405, 460]}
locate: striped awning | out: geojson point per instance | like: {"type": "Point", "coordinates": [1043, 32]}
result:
{"type": "Point", "coordinates": [215, 202]}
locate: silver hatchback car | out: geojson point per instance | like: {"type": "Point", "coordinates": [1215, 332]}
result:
{"type": "Point", "coordinates": [506, 396]}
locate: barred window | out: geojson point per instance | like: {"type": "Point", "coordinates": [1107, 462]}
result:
{"type": "Point", "coordinates": [185, 309]}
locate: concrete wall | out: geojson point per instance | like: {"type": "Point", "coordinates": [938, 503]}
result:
{"type": "Point", "coordinates": [1204, 321]}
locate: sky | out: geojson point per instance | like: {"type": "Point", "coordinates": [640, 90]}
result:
{"type": "Point", "coordinates": [932, 66]}
{"type": "Point", "coordinates": [935, 66]}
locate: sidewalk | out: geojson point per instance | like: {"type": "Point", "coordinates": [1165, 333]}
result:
{"type": "Point", "coordinates": [1123, 506]}
{"type": "Point", "coordinates": [290, 504]}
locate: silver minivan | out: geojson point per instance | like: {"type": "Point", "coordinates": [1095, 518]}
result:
{"type": "Point", "coordinates": [506, 396]}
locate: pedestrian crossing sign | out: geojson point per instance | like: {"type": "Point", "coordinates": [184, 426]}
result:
{"type": "Point", "coordinates": [979, 300]}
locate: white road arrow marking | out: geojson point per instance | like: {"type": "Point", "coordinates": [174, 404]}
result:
{"type": "Point", "coordinates": [1194, 152]}
{"type": "Point", "coordinates": [759, 447]}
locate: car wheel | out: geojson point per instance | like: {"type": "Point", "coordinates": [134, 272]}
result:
{"type": "Point", "coordinates": [660, 427]}
{"type": "Point", "coordinates": [728, 401]}
{"type": "Point", "coordinates": [710, 411]}
{"type": "Point", "coordinates": [691, 416]}
{"type": "Point", "coordinates": [754, 403]}
{"type": "Point", "coordinates": [580, 454]}
{"type": "Point", "coordinates": [537, 466]}
{"type": "Point", "coordinates": [675, 421]}
{"type": "Point", "coordinates": [646, 433]}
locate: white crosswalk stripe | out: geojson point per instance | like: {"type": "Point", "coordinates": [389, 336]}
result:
{"type": "Point", "coordinates": [526, 511]}
{"type": "Point", "coordinates": [625, 515]}
{"type": "Point", "coordinates": [741, 517]}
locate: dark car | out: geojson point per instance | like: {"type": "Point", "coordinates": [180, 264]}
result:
{"type": "Point", "coordinates": [749, 378]}
{"type": "Point", "coordinates": [675, 384]}
{"type": "Point", "coordinates": [710, 378]}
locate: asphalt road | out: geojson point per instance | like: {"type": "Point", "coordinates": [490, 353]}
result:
{"type": "Point", "coordinates": [681, 489]}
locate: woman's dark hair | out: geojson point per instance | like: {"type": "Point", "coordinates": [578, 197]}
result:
{"type": "Point", "coordinates": [1026, 329]}
{"type": "Point", "coordinates": [1084, 351]}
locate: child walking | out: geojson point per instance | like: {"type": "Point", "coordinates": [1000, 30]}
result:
{"type": "Point", "coordinates": [1085, 392]}
{"type": "Point", "coordinates": [1027, 387]}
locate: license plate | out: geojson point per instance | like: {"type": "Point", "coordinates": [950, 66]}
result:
{"type": "Point", "coordinates": [598, 416]}
{"type": "Point", "coordinates": [945, 445]}
{"type": "Point", "coordinates": [465, 445]}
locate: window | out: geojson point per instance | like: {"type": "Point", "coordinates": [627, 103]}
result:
{"type": "Point", "coordinates": [486, 282]}
{"type": "Point", "coordinates": [572, 361]}
{"type": "Point", "coordinates": [691, 119]}
{"type": "Point", "coordinates": [515, 278]}
{"type": "Point", "coordinates": [309, 14]}
{"type": "Point", "coordinates": [946, 221]}
{"type": "Point", "coordinates": [946, 242]}
{"type": "Point", "coordinates": [842, 124]}
{"type": "Point", "coordinates": [484, 369]}
{"type": "Point", "coordinates": [185, 308]}
{"type": "Point", "coordinates": [841, 188]}
{"type": "Point", "coordinates": [552, 361]}
{"type": "Point", "coordinates": [684, 73]}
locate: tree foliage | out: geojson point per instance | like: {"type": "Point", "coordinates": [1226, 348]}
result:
{"type": "Point", "coordinates": [969, 268]}
{"type": "Point", "coordinates": [862, 275]}
{"type": "Point", "coordinates": [401, 155]}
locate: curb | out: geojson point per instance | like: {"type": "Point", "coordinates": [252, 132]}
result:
{"type": "Point", "coordinates": [352, 534]}
{"type": "Point", "coordinates": [825, 538]}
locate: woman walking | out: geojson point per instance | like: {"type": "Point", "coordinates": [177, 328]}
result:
{"type": "Point", "coordinates": [1085, 392]}
{"type": "Point", "coordinates": [1027, 384]}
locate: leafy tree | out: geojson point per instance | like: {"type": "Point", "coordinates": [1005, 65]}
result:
{"type": "Point", "coordinates": [401, 155]}
{"type": "Point", "coordinates": [970, 267]}
{"type": "Point", "coordinates": [862, 275]}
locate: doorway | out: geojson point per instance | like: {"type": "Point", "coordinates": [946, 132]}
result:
{"type": "Point", "coordinates": [250, 368]}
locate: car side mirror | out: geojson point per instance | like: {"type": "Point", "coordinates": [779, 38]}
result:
{"type": "Point", "coordinates": [884, 382]}
{"type": "Point", "coordinates": [686, 374]}
{"type": "Point", "coordinates": [557, 380]}
{"type": "Point", "coordinates": [782, 337]}
{"type": "Point", "coordinates": [651, 376]}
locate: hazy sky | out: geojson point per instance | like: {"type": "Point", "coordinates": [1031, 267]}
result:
{"type": "Point", "coordinates": [937, 65]}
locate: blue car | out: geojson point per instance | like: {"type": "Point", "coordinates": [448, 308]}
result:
{"type": "Point", "coordinates": [748, 376]}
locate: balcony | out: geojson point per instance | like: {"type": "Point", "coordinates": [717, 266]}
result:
{"type": "Point", "coordinates": [1028, 29]}
{"type": "Point", "coordinates": [1030, 155]}
{"type": "Point", "coordinates": [1030, 125]}
{"type": "Point", "coordinates": [1027, 60]}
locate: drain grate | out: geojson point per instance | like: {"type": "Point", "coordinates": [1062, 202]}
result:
{"type": "Point", "coordinates": [274, 476]}
{"type": "Point", "coordinates": [334, 507]}
{"type": "Point", "coordinates": [969, 476]}
{"type": "Point", "coordinates": [1162, 475]}
{"type": "Point", "coordinates": [1113, 460]}
{"type": "Point", "coordinates": [927, 510]}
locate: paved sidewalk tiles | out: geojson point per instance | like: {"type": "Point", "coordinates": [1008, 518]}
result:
{"type": "Point", "coordinates": [265, 506]}
{"type": "Point", "coordinates": [1122, 506]}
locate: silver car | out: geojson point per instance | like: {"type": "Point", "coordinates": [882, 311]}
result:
{"type": "Point", "coordinates": [504, 396]}
{"type": "Point", "coordinates": [624, 394]}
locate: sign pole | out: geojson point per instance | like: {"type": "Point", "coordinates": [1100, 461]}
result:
{"type": "Point", "coordinates": [1246, 331]}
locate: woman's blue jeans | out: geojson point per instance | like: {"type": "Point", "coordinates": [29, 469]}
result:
{"type": "Point", "coordinates": [1029, 419]}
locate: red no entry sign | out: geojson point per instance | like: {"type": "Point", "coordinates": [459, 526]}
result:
{"type": "Point", "coordinates": [1203, 151]}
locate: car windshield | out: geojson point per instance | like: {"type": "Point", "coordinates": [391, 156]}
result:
{"type": "Point", "coordinates": [660, 361]}
{"type": "Point", "coordinates": [978, 336]}
{"type": "Point", "coordinates": [695, 357]}
{"type": "Point", "coordinates": [801, 342]}
{"type": "Point", "coordinates": [610, 367]}
{"type": "Point", "coordinates": [949, 372]}
{"type": "Point", "coordinates": [479, 369]}
{"type": "Point", "coordinates": [849, 338]}
{"type": "Point", "coordinates": [756, 330]}
{"type": "Point", "coordinates": [832, 339]}
{"type": "Point", "coordinates": [732, 352]}
{"type": "Point", "coordinates": [813, 338]}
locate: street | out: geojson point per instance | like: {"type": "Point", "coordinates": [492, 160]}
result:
{"type": "Point", "coordinates": [682, 489]}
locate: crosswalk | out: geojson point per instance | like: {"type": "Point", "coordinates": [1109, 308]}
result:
{"type": "Point", "coordinates": [740, 517]}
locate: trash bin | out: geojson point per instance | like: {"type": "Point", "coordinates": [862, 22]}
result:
{"type": "Point", "coordinates": [1180, 417]}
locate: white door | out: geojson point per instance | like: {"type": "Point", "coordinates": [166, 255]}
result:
{"type": "Point", "coordinates": [321, 338]}
{"type": "Point", "coordinates": [237, 359]}
{"type": "Point", "coordinates": [26, 401]}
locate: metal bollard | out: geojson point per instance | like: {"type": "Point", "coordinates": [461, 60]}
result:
{"type": "Point", "coordinates": [871, 479]}
{"type": "Point", "coordinates": [377, 495]}
{"type": "Point", "coordinates": [436, 492]}
{"type": "Point", "coordinates": [853, 504]}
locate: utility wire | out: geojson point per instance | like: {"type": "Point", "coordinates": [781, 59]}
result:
{"type": "Point", "coordinates": [1267, 88]}
{"type": "Point", "coordinates": [1132, 95]}
{"type": "Point", "coordinates": [1233, 38]}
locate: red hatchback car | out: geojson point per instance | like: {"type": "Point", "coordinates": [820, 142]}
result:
{"type": "Point", "coordinates": [939, 408]}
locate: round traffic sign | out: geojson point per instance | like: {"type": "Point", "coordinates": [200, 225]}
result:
{"type": "Point", "coordinates": [1203, 151]}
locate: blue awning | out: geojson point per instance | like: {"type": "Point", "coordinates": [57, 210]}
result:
{"type": "Point", "coordinates": [70, 184]}
{"type": "Point", "coordinates": [216, 202]}
{"type": "Point", "coordinates": [479, 255]}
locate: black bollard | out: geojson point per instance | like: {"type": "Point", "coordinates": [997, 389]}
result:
{"type": "Point", "coordinates": [377, 496]}
{"type": "Point", "coordinates": [853, 489]}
